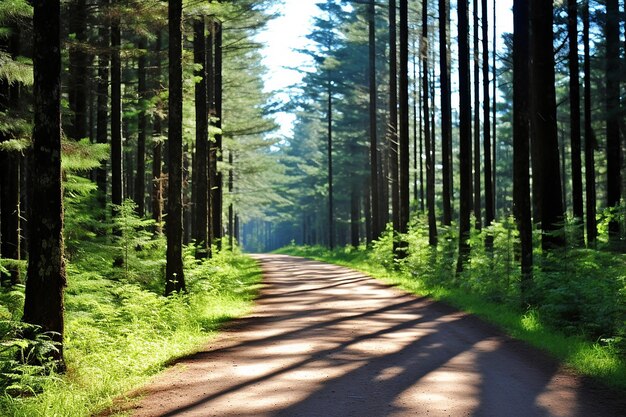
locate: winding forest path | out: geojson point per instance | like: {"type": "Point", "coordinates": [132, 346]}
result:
{"type": "Point", "coordinates": [328, 341]}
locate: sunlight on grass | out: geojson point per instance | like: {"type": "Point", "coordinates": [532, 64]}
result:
{"type": "Point", "coordinates": [118, 334]}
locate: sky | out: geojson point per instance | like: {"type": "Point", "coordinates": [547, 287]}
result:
{"type": "Point", "coordinates": [287, 33]}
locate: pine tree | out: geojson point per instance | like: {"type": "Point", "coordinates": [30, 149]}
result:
{"type": "Point", "coordinates": [174, 278]}
{"type": "Point", "coordinates": [465, 136]}
{"type": "Point", "coordinates": [521, 140]}
{"type": "Point", "coordinates": [43, 304]}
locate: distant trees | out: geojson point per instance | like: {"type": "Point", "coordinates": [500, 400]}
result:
{"type": "Point", "coordinates": [503, 146]}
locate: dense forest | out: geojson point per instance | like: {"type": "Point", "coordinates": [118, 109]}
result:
{"type": "Point", "coordinates": [139, 159]}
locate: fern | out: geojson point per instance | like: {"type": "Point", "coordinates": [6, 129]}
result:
{"type": "Point", "coordinates": [83, 155]}
{"type": "Point", "coordinates": [16, 71]}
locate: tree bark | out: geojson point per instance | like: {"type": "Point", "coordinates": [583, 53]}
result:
{"type": "Point", "coordinates": [142, 124]}
{"type": "Point", "coordinates": [446, 114]}
{"type": "Point", "coordinates": [175, 279]}
{"type": "Point", "coordinates": [465, 136]}
{"type": "Point", "coordinates": [116, 113]}
{"type": "Point", "coordinates": [78, 63]}
{"type": "Point", "coordinates": [613, 149]}
{"type": "Point", "coordinates": [43, 303]}
{"type": "Point", "coordinates": [430, 168]}
{"type": "Point", "coordinates": [102, 119]}
{"type": "Point", "coordinates": [494, 109]}
{"type": "Point", "coordinates": [547, 174]}
{"type": "Point", "coordinates": [375, 220]}
{"type": "Point", "coordinates": [575, 134]}
{"type": "Point", "coordinates": [157, 147]}
{"type": "Point", "coordinates": [329, 144]}
{"type": "Point", "coordinates": [216, 185]}
{"type": "Point", "coordinates": [521, 139]}
{"type": "Point", "coordinates": [590, 140]}
{"type": "Point", "coordinates": [201, 187]}
{"type": "Point", "coordinates": [403, 142]}
{"type": "Point", "coordinates": [393, 124]}
{"type": "Point", "coordinates": [489, 191]}
{"type": "Point", "coordinates": [476, 183]}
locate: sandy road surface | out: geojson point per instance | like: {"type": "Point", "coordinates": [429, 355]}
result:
{"type": "Point", "coordinates": [327, 341]}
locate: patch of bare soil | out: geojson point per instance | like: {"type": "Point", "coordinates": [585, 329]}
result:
{"type": "Point", "coordinates": [327, 341]}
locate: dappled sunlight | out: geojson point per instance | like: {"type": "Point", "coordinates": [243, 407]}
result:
{"type": "Point", "coordinates": [327, 341]}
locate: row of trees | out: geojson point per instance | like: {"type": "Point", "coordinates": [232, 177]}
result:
{"type": "Point", "coordinates": [120, 86]}
{"type": "Point", "coordinates": [517, 127]}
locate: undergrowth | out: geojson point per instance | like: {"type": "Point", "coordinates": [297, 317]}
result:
{"type": "Point", "coordinates": [579, 313]}
{"type": "Point", "coordinates": [120, 329]}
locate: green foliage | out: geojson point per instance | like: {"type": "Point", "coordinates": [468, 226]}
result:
{"type": "Point", "coordinates": [83, 217]}
{"type": "Point", "coordinates": [27, 364]}
{"type": "Point", "coordinates": [12, 10]}
{"type": "Point", "coordinates": [16, 70]}
{"type": "Point", "coordinates": [134, 235]}
{"type": "Point", "coordinates": [120, 329]}
{"type": "Point", "coordinates": [83, 155]}
{"type": "Point", "coordinates": [14, 145]}
{"type": "Point", "coordinates": [583, 292]}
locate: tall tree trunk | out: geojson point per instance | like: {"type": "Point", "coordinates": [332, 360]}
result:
{"type": "Point", "coordinates": [545, 134]}
{"type": "Point", "coordinates": [489, 199]}
{"type": "Point", "coordinates": [590, 140]}
{"type": "Point", "coordinates": [375, 221]}
{"type": "Point", "coordinates": [403, 142]}
{"type": "Point", "coordinates": [174, 277]}
{"type": "Point", "coordinates": [494, 98]}
{"type": "Point", "coordinates": [102, 133]}
{"type": "Point", "coordinates": [430, 168]}
{"type": "Point", "coordinates": [575, 136]}
{"type": "Point", "coordinates": [446, 113]}
{"type": "Point", "coordinates": [521, 141]}
{"type": "Point", "coordinates": [329, 144]}
{"type": "Point", "coordinates": [613, 149]}
{"type": "Point", "coordinates": [157, 147]}
{"type": "Point", "coordinates": [142, 125]}
{"type": "Point", "coordinates": [416, 99]}
{"type": "Point", "coordinates": [78, 63]}
{"type": "Point", "coordinates": [476, 183]}
{"type": "Point", "coordinates": [422, 202]}
{"type": "Point", "coordinates": [210, 60]}
{"type": "Point", "coordinates": [217, 186]}
{"type": "Point", "coordinates": [465, 136]}
{"type": "Point", "coordinates": [43, 303]}
{"type": "Point", "coordinates": [116, 111]}
{"type": "Point", "coordinates": [393, 124]}
{"type": "Point", "coordinates": [201, 187]}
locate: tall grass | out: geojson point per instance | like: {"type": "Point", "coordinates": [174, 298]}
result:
{"type": "Point", "coordinates": [120, 329]}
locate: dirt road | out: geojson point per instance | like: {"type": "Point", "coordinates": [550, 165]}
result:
{"type": "Point", "coordinates": [326, 341]}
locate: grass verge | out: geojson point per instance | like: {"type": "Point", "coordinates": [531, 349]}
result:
{"type": "Point", "coordinates": [120, 331]}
